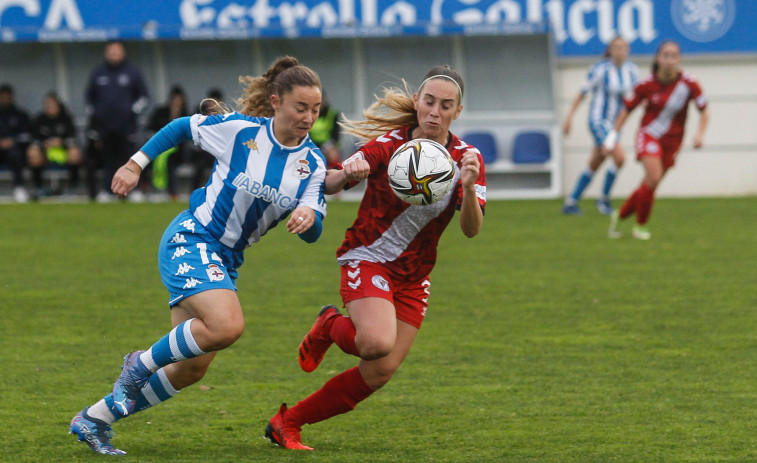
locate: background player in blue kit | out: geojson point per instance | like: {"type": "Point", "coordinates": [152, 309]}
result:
{"type": "Point", "coordinates": [266, 168]}
{"type": "Point", "coordinates": [608, 81]}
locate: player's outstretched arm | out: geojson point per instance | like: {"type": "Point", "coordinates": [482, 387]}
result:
{"type": "Point", "coordinates": [471, 216]}
{"type": "Point", "coordinates": [356, 170]}
{"type": "Point", "coordinates": [126, 178]}
{"type": "Point", "coordinates": [704, 117]}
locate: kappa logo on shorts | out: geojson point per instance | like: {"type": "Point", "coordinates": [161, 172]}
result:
{"type": "Point", "coordinates": [184, 268]}
{"type": "Point", "coordinates": [178, 238]}
{"type": "Point", "coordinates": [380, 282]}
{"type": "Point", "coordinates": [189, 224]}
{"type": "Point", "coordinates": [180, 251]}
{"type": "Point", "coordinates": [215, 273]}
{"type": "Point", "coordinates": [192, 282]}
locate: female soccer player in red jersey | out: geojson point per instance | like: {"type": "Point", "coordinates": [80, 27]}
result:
{"type": "Point", "coordinates": [667, 93]}
{"type": "Point", "coordinates": [388, 252]}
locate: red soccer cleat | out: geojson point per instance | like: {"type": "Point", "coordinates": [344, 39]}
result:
{"type": "Point", "coordinates": [315, 344]}
{"type": "Point", "coordinates": [283, 435]}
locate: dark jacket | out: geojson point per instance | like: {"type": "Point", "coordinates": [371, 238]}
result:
{"type": "Point", "coordinates": [14, 123]}
{"type": "Point", "coordinates": [60, 126]}
{"type": "Point", "coordinates": [115, 96]}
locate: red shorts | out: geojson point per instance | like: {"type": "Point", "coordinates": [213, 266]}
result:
{"type": "Point", "coordinates": [369, 279]}
{"type": "Point", "coordinates": [665, 148]}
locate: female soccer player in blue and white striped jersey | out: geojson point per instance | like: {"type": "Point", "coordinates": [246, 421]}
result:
{"type": "Point", "coordinates": [608, 81]}
{"type": "Point", "coordinates": [266, 169]}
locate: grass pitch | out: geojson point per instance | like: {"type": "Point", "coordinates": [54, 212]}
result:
{"type": "Point", "coordinates": [544, 341]}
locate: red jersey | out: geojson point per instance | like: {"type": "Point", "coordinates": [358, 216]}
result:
{"type": "Point", "coordinates": [388, 230]}
{"type": "Point", "coordinates": [667, 104]}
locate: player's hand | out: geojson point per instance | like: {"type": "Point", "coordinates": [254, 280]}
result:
{"type": "Point", "coordinates": [125, 179]}
{"type": "Point", "coordinates": [608, 144]}
{"type": "Point", "coordinates": [469, 168]}
{"type": "Point", "coordinates": [698, 141]}
{"type": "Point", "coordinates": [356, 170]}
{"type": "Point", "coordinates": [301, 220]}
{"type": "Point", "coordinates": [566, 127]}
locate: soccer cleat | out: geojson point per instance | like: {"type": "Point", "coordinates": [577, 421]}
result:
{"type": "Point", "coordinates": [640, 232]}
{"type": "Point", "coordinates": [571, 209]}
{"type": "Point", "coordinates": [283, 434]}
{"type": "Point", "coordinates": [96, 433]}
{"type": "Point", "coordinates": [612, 231]}
{"type": "Point", "coordinates": [604, 206]}
{"type": "Point", "coordinates": [133, 376]}
{"type": "Point", "coordinates": [315, 344]}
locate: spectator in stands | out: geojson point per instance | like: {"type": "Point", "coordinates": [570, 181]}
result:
{"type": "Point", "coordinates": [164, 166]}
{"type": "Point", "coordinates": [666, 94]}
{"type": "Point", "coordinates": [14, 138]}
{"type": "Point", "coordinates": [325, 133]}
{"type": "Point", "coordinates": [115, 95]}
{"type": "Point", "coordinates": [609, 79]}
{"type": "Point", "coordinates": [53, 143]}
{"type": "Point", "coordinates": [201, 161]}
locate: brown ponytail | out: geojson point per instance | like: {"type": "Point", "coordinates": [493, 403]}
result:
{"type": "Point", "coordinates": [283, 75]}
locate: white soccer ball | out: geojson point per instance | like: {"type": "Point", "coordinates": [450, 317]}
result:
{"type": "Point", "coordinates": [421, 171]}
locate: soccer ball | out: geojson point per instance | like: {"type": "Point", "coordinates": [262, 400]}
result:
{"type": "Point", "coordinates": [421, 171]}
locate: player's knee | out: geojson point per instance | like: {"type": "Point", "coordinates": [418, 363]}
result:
{"type": "Point", "coordinates": [226, 335]}
{"type": "Point", "coordinates": [192, 375]}
{"type": "Point", "coordinates": [653, 180]}
{"type": "Point", "coordinates": [380, 377]}
{"type": "Point", "coordinates": [375, 347]}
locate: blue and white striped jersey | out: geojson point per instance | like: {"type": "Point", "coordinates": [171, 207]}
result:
{"type": "Point", "coordinates": [256, 181]}
{"type": "Point", "coordinates": [608, 84]}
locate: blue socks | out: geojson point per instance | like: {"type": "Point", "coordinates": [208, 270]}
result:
{"type": "Point", "coordinates": [612, 173]}
{"type": "Point", "coordinates": [157, 390]}
{"type": "Point", "coordinates": [177, 345]}
{"type": "Point", "coordinates": [583, 182]}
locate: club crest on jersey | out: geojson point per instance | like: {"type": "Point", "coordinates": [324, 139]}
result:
{"type": "Point", "coordinates": [380, 282]}
{"type": "Point", "coordinates": [301, 169]}
{"type": "Point", "coordinates": [215, 273]}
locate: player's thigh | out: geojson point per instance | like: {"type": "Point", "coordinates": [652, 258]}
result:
{"type": "Point", "coordinates": [214, 307]}
{"type": "Point", "coordinates": [375, 323]}
{"type": "Point", "coordinates": [654, 169]}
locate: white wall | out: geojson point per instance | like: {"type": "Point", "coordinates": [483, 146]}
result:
{"type": "Point", "coordinates": [725, 166]}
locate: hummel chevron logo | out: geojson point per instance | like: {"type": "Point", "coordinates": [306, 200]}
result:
{"type": "Point", "coordinates": [352, 275]}
{"type": "Point", "coordinates": [354, 285]}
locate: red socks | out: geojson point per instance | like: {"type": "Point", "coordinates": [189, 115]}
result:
{"type": "Point", "coordinates": [640, 202]}
{"type": "Point", "coordinates": [342, 331]}
{"type": "Point", "coordinates": [339, 395]}
{"type": "Point", "coordinates": [644, 208]}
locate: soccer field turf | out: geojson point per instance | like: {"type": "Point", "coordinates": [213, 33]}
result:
{"type": "Point", "coordinates": [544, 340]}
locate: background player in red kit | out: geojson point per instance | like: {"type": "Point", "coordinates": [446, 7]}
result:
{"type": "Point", "coordinates": [388, 252]}
{"type": "Point", "coordinates": [667, 93]}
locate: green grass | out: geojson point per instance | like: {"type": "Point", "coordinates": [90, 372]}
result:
{"type": "Point", "coordinates": [544, 342]}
